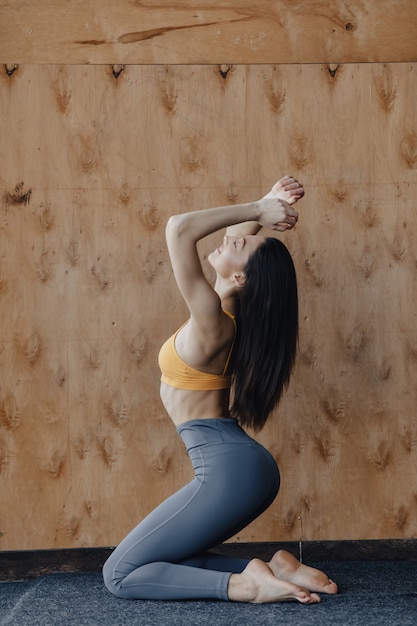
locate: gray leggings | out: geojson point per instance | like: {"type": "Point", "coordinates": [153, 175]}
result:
{"type": "Point", "coordinates": [165, 557]}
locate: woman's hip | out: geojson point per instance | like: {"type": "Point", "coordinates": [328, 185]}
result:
{"type": "Point", "coordinates": [227, 458]}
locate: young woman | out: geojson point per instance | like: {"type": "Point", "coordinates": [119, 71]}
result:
{"type": "Point", "coordinates": [224, 369]}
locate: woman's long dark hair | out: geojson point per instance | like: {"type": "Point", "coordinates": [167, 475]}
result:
{"type": "Point", "coordinates": [267, 323]}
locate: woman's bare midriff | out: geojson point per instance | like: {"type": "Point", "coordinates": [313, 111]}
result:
{"type": "Point", "coordinates": [183, 405]}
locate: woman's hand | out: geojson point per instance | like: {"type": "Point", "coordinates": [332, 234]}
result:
{"type": "Point", "coordinates": [276, 214]}
{"type": "Point", "coordinates": [288, 189]}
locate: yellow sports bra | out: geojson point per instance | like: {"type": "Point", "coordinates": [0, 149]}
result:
{"type": "Point", "coordinates": [176, 373]}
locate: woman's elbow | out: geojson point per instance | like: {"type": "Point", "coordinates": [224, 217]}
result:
{"type": "Point", "coordinates": [174, 228]}
{"type": "Point", "coordinates": [171, 225]}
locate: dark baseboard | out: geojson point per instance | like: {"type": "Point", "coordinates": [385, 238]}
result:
{"type": "Point", "coordinates": [24, 564]}
{"type": "Point", "coordinates": [320, 551]}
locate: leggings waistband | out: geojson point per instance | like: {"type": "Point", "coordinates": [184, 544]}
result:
{"type": "Point", "coordinates": [212, 431]}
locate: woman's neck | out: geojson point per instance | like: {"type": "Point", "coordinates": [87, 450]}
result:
{"type": "Point", "coordinates": [227, 295]}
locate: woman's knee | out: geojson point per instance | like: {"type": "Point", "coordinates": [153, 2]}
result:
{"type": "Point", "coordinates": [109, 579]}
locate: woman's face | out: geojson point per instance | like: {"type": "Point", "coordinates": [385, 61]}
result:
{"type": "Point", "coordinates": [231, 257]}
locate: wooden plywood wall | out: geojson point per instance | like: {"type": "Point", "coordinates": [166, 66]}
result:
{"type": "Point", "coordinates": [199, 31]}
{"type": "Point", "coordinates": [93, 160]}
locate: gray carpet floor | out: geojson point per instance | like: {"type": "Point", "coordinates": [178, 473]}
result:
{"type": "Point", "coordinates": [372, 593]}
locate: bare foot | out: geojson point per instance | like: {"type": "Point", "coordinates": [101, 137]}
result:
{"type": "Point", "coordinates": [258, 584]}
{"type": "Point", "coordinates": [286, 567]}
{"type": "Point", "coordinates": [288, 189]}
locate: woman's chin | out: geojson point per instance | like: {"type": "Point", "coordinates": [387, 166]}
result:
{"type": "Point", "coordinates": [211, 256]}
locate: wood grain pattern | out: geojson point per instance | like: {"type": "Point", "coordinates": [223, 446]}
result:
{"type": "Point", "coordinates": [232, 32]}
{"type": "Point", "coordinates": [93, 160]}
